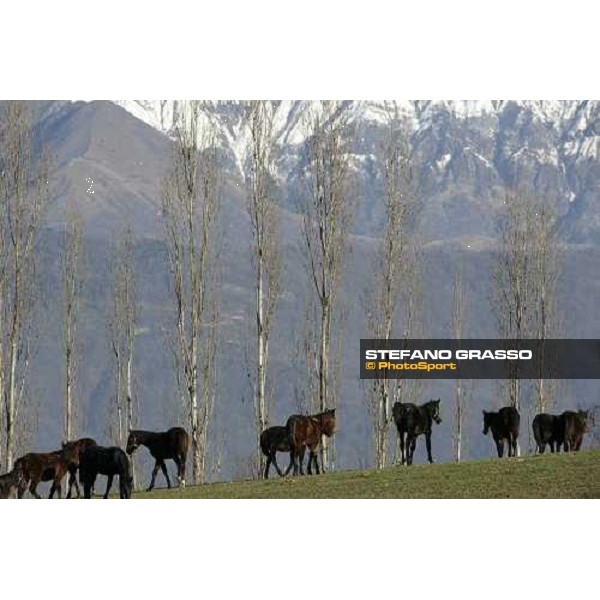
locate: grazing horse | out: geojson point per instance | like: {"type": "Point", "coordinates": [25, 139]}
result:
{"type": "Point", "coordinates": [9, 482]}
{"type": "Point", "coordinates": [98, 460]}
{"type": "Point", "coordinates": [306, 431]}
{"type": "Point", "coordinates": [575, 425]}
{"type": "Point", "coordinates": [505, 427]}
{"type": "Point", "coordinates": [50, 466]}
{"type": "Point", "coordinates": [172, 444]}
{"type": "Point", "coordinates": [80, 446]}
{"type": "Point", "coordinates": [548, 430]}
{"type": "Point", "coordinates": [412, 420]}
{"type": "Point", "coordinates": [273, 440]}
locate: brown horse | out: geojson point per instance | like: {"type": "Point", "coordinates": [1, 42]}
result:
{"type": "Point", "coordinates": [79, 447]}
{"type": "Point", "coordinates": [171, 444]}
{"type": "Point", "coordinates": [307, 432]}
{"type": "Point", "coordinates": [50, 466]}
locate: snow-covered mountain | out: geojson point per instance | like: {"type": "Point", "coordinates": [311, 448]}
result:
{"type": "Point", "coordinates": [464, 148]}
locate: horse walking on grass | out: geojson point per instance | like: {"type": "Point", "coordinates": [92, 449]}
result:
{"type": "Point", "coordinates": [272, 440]}
{"type": "Point", "coordinates": [98, 460]}
{"type": "Point", "coordinates": [172, 444]}
{"type": "Point", "coordinates": [504, 425]}
{"type": "Point", "coordinates": [411, 422]}
{"type": "Point", "coordinates": [79, 446]}
{"type": "Point", "coordinates": [307, 432]}
{"type": "Point", "coordinates": [49, 466]}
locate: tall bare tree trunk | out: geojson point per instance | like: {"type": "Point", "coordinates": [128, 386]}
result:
{"type": "Point", "coordinates": [383, 293]}
{"type": "Point", "coordinates": [122, 324]}
{"type": "Point", "coordinates": [71, 256]}
{"type": "Point", "coordinates": [23, 199]}
{"type": "Point", "coordinates": [191, 200]}
{"type": "Point", "coordinates": [264, 221]}
{"type": "Point", "coordinates": [523, 278]}
{"type": "Point", "coordinates": [327, 213]}
{"type": "Point", "coordinates": [458, 311]}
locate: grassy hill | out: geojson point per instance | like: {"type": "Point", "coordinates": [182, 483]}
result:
{"type": "Point", "coordinates": [575, 475]}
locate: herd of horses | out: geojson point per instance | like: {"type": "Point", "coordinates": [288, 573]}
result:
{"type": "Point", "coordinates": [300, 433]}
{"type": "Point", "coordinates": [90, 460]}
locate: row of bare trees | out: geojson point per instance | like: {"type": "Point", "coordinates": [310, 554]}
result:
{"type": "Point", "coordinates": [525, 277]}
{"type": "Point", "coordinates": [524, 300]}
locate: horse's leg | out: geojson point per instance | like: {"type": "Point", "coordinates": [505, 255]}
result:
{"type": "Point", "coordinates": [56, 486]}
{"type": "Point", "coordinates": [88, 483]}
{"type": "Point", "coordinates": [274, 461]}
{"type": "Point", "coordinates": [165, 473]}
{"type": "Point", "coordinates": [182, 459]}
{"type": "Point", "coordinates": [33, 487]}
{"type": "Point", "coordinates": [428, 444]}
{"type": "Point", "coordinates": [154, 473]}
{"type": "Point", "coordinates": [413, 447]}
{"type": "Point", "coordinates": [401, 435]}
{"type": "Point", "coordinates": [109, 483]}
{"type": "Point", "coordinates": [301, 457]}
{"type": "Point", "coordinates": [316, 459]}
{"type": "Point", "coordinates": [500, 447]}
{"type": "Point", "coordinates": [21, 488]}
{"type": "Point", "coordinates": [290, 466]}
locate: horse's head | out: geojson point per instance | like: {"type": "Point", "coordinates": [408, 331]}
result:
{"type": "Point", "coordinates": [328, 425]}
{"type": "Point", "coordinates": [132, 442]}
{"type": "Point", "coordinates": [434, 410]}
{"type": "Point", "coordinates": [487, 421]}
{"type": "Point", "coordinates": [583, 418]}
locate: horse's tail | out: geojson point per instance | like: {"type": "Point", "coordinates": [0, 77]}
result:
{"type": "Point", "coordinates": [264, 443]}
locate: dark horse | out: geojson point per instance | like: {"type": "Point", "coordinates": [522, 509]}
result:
{"type": "Point", "coordinates": [98, 460]}
{"type": "Point", "coordinates": [50, 466]}
{"type": "Point", "coordinates": [9, 482]}
{"type": "Point", "coordinates": [575, 425]}
{"type": "Point", "coordinates": [79, 446]}
{"type": "Point", "coordinates": [306, 431]}
{"type": "Point", "coordinates": [171, 444]}
{"type": "Point", "coordinates": [412, 420]}
{"type": "Point", "coordinates": [505, 427]}
{"type": "Point", "coordinates": [273, 440]}
{"type": "Point", "coordinates": [548, 430]}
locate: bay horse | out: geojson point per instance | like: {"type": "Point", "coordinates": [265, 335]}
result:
{"type": "Point", "coordinates": [306, 431]}
{"type": "Point", "coordinates": [99, 460]}
{"type": "Point", "coordinates": [172, 444]}
{"type": "Point", "coordinates": [9, 482]}
{"type": "Point", "coordinates": [574, 427]}
{"type": "Point", "coordinates": [79, 446]}
{"type": "Point", "coordinates": [411, 422]}
{"type": "Point", "coordinates": [50, 466]}
{"type": "Point", "coordinates": [505, 427]}
{"type": "Point", "coordinates": [272, 440]}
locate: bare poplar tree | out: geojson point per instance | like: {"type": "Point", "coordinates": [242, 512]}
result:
{"type": "Point", "coordinates": [458, 318]}
{"type": "Point", "coordinates": [72, 273]}
{"type": "Point", "coordinates": [547, 266]}
{"type": "Point", "coordinates": [23, 199]}
{"type": "Point", "coordinates": [326, 217]}
{"type": "Point", "coordinates": [191, 200]}
{"type": "Point", "coordinates": [512, 277]}
{"type": "Point", "coordinates": [525, 279]}
{"type": "Point", "coordinates": [266, 257]}
{"type": "Point", "coordinates": [123, 322]}
{"type": "Point", "coordinates": [383, 294]}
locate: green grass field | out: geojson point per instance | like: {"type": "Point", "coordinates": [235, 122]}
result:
{"type": "Point", "coordinates": [574, 475]}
